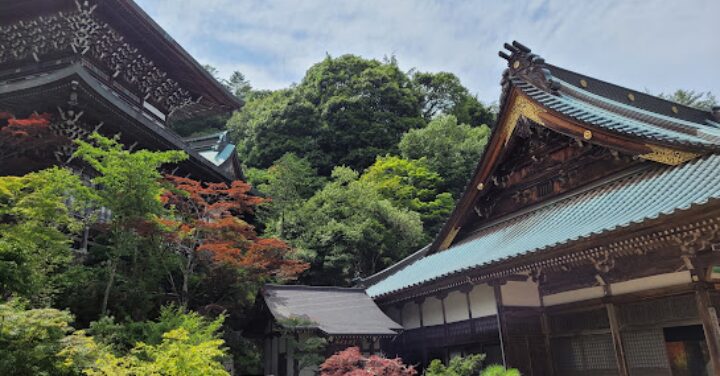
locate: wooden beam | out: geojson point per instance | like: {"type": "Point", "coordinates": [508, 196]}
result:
{"type": "Point", "coordinates": [708, 316]}
{"type": "Point", "coordinates": [545, 327]}
{"type": "Point", "coordinates": [617, 340]}
{"type": "Point", "coordinates": [445, 329]}
{"type": "Point", "coordinates": [501, 323]}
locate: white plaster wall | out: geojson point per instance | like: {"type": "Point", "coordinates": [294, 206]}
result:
{"type": "Point", "coordinates": [456, 307]}
{"type": "Point", "coordinates": [482, 301]}
{"type": "Point", "coordinates": [520, 294]}
{"type": "Point", "coordinates": [411, 315]}
{"type": "Point", "coordinates": [652, 282]}
{"type": "Point", "coordinates": [432, 312]}
{"type": "Point", "coordinates": [573, 296]}
{"type": "Point", "coordinates": [619, 288]}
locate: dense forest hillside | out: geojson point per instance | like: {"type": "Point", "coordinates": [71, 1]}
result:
{"type": "Point", "coordinates": [363, 161]}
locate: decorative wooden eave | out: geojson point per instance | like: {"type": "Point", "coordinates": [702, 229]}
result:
{"type": "Point", "coordinates": [129, 44]}
{"type": "Point", "coordinates": [517, 105]}
{"type": "Point", "coordinates": [74, 87]}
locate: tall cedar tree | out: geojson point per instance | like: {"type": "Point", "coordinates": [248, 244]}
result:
{"type": "Point", "coordinates": [206, 224]}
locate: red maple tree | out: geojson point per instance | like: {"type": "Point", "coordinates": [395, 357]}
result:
{"type": "Point", "coordinates": [207, 219]}
{"type": "Point", "coordinates": [351, 362]}
{"type": "Point", "coordinates": [30, 137]}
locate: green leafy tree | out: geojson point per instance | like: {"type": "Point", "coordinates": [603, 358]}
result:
{"type": "Point", "coordinates": [411, 185]}
{"type": "Point", "coordinates": [238, 85]}
{"type": "Point", "coordinates": [704, 101]}
{"type": "Point", "coordinates": [458, 366]}
{"type": "Point", "coordinates": [31, 340]}
{"type": "Point", "coordinates": [40, 213]}
{"type": "Point", "coordinates": [130, 189]}
{"type": "Point", "coordinates": [288, 182]}
{"type": "Point", "coordinates": [498, 370]}
{"type": "Point", "coordinates": [348, 229]}
{"type": "Point", "coordinates": [443, 94]}
{"type": "Point", "coordinates": [271, 125]}
{"type": "Point", "coordinates": [450, 149]}
{"type": "Point", "coordinates": [345, 111]}
{"type": "Point", "coordinates": [179, 343]}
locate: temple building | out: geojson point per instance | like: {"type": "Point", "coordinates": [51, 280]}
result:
{"type": "Point", "coordinates": [587, 241]}
{"type": "Point", "coordinates": [106, 66]}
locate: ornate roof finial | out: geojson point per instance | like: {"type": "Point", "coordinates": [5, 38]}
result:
{"type": "Point", "coordinates": [528, 66]}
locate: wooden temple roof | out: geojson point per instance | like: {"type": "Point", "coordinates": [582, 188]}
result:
{"type": "Point", "coordinates": [677, 142]}
{"type": "Point", "coordinates": [334, 311]}
{"type": "Point", "coordinates": [142, 33]}
{"type": "Point", "coordinates": [627, 199]}
{"type": "Point", "coordinates": [116, 71]}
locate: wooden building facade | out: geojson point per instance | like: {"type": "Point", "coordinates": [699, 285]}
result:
{"type": "Point", "coordinates": [587, 241]}
{"type": "Point", "coordinates": [290, 316]}
{"type": "Point", "coordinates": [103, 66]}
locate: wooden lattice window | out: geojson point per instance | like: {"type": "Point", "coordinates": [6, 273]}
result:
{"type": "Point", "coordinates": [645, 352]}
{"type": "Point", "coordinates": [676, 308]}
{"type": "Point", "coordinates": [584, 354]}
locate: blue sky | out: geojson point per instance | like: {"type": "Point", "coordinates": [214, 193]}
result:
{"type": "Point", "coordinates": [649, 45]}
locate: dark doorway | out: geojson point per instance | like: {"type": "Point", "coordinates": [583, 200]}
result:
{"type": "Point", "coordinates": [687, 350]}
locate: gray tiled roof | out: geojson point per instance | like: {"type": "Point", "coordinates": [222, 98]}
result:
{"type": "Point", "coordinates": [333, 310]}
{"type": "Point", "coordinates": [631, 198]}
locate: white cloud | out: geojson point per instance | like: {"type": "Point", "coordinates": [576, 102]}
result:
{"type": "Point", "coordinates": [648, 44]}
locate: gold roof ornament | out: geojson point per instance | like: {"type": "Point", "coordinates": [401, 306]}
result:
{"type": "Point", "coordinates": [668, 156]}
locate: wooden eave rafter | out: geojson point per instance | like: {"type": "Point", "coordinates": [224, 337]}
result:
{"type": "Point", "coordinates": [519, 106]}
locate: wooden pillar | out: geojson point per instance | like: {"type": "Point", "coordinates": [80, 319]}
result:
{"type": "Point", "coordinates": [709, 318]}
{"type": "Point", "coordinates": [275, 351]}
{"type": "Point", "coordinates": [419, 303]}
{"type": "Point", "coordinates": [545, 327]}
{"type": "Point", "coordinates": [466, 290]}
{"type": "Point", "coordinates": [502, 330]}
{"type": "Point", "coordinates": [617, 340]}
{"type": "Point", "coordinates": [289, 356]}
{"type": "Point", "coordinates": [445, 328]}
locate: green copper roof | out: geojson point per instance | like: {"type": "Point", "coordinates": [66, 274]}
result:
{"type": "Point", "coordinates": [632, 198]}
{"type": "Point", "coordinates": [622, 118]}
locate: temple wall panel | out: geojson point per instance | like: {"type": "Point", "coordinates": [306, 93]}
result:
{"type": "Point", "coordinates": [574, 296]}
{"type": "Point", "coordinates": [652, 282]}
{"type": "Point", "coordinates": [482, 301]}
{"type": "Point", "coordinates": [410, 315]}
{"type": "Point", "coordinates": [520, 294]}
{"type": "Point", "coordinates": [456, 307]}
{"type": "Point", "coordinates": [432, 312]}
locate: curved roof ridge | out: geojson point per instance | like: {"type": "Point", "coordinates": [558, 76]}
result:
{"type": "Point", "coordinates": [639, 113]}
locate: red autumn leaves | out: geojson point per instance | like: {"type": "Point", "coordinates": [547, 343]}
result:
{"type": "Point", "coordinates": [207, 219]}
{"type": "Point", "coordinates": [350, 362]}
